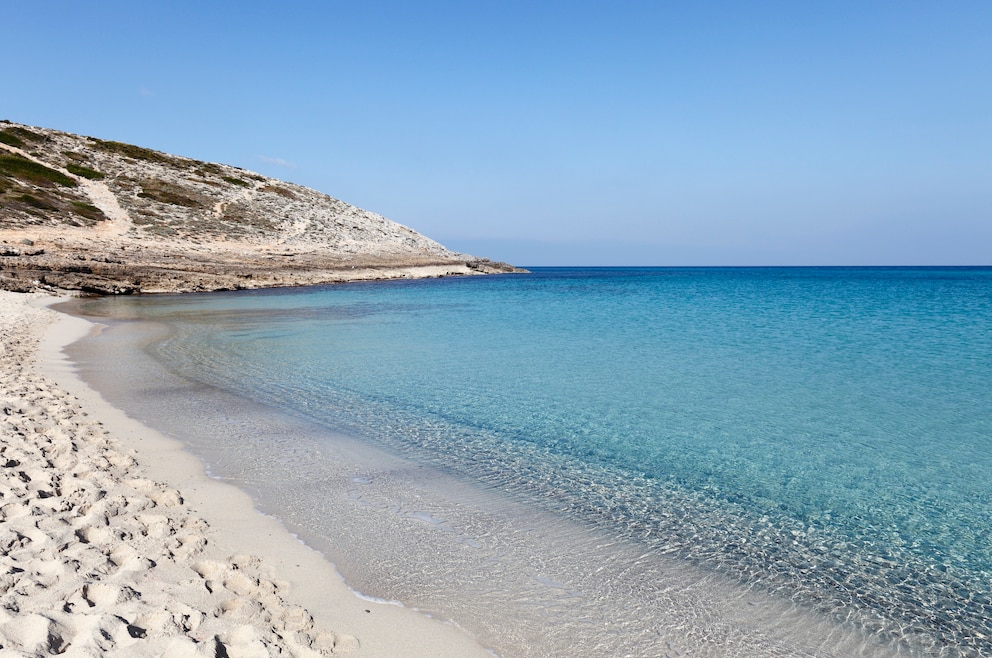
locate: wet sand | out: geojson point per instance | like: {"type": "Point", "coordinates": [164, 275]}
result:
{"type": "Point", "coordinates": [116, 542]}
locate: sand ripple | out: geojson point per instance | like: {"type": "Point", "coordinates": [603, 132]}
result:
{"type": "Point", "coordinates": [96, 559]}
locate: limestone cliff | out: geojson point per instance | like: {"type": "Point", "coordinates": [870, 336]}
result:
{"type": "Point", "coordinates": [84, 214]}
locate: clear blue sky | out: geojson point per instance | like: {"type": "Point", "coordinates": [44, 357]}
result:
{"type": "Point", "coordinates": [736, 133]}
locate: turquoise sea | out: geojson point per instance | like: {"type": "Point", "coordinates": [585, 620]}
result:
{"type": "Point", "coordinates": [607, 461]}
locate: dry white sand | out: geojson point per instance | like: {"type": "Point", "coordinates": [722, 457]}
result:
{"type": "Point", "coordinates": [114, 542]}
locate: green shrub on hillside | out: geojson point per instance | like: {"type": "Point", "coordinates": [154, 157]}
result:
{"type": "Point", "coordinates": [24, 133]}
{"type": "Point", "coordinates": [35, 202]}
{"type": "Point", "coordinates": [206, 168]}
{"type": "Point", "coordinates": [163, 192]}
{"type": "Point", "coordinates": [85, 172]}
{"type": "Point", "coordinates": [281, 191]}
{"type": "Point", "coordinates": [10, 139]}
{"type": "Point", "coordinates": [135, 152]}
{"type": "Point", "coordinates": [88, 211]}
{"type": "Point", "coordinates": [28, 170]}
{"type": "Point", "coordinates": [236, 181]}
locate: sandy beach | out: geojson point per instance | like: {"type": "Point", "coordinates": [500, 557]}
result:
{"type": "Point", "coordinates": [114, 542]}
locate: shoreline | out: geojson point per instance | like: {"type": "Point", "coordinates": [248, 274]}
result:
{"type": "Point", "coordinates": [190, 565]}
{"type": "Point", "coordinates": [520, 578]}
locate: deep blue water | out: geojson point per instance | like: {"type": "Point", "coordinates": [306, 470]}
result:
{"type": "Point", "coordinates": [825, 433]}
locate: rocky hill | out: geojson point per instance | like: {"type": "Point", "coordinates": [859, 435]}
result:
{"type": "Point", "coordinates": [84, 214]}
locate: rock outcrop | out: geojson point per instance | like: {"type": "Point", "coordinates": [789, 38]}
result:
{"type": "Point", "coordinates": [83, 214]}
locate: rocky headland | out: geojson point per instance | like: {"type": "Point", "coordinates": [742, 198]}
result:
{"type": "Point", "coordinates": [94, 216]}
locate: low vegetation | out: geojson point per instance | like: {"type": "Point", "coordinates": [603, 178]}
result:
{"type": "Point", "coordinates": [238, 218]}
{"type": "Point", "coordinates": [85, 172]}
{"type": "Point", "coordinates": [163, 192]}
{"type": "Point", "coordinates": [10, 139]}
{"type": "Point", "coordinates": [51, 204]}
{"type": "Point", "coordinates": [207, 181]}
{"type": "Point", "coordinates": [135, 152]}
{"type": "Point", "coordinates": [206, 168]}
{"type": "Point", "coordinates": [88, 211]}
{"type": "Point", "coordinates": [23, 169]}
{"type": "Point", "coordinates": [35, 202]}
{"type": "Point", "coordinates": [29, 135]}
{"type": "Point", "coordinates": [15, 136]}
{"type": "Point", "coordinates": [237, 181]}
{"type": "Point", "coordinates": [281, 191]}
{"type": "Point", "coordinates": [152, 224]}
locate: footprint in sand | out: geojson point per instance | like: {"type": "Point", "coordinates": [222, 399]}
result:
{"type": "Point", "coordinates": [34, 634]}
{"type": "Point", "coordinates": [159, 494]}
{"type": "Point", "coordinates": [101, 595]}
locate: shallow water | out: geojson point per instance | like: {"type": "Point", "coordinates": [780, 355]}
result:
{"type": "Point", "coordinates": [612, 462]}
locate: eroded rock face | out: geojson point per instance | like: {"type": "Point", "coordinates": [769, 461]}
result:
{"type": "Point", "coordinates": [110, 218]}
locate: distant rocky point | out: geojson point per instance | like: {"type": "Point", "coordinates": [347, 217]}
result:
{"type": "Point", "coordinates": [84, 214]}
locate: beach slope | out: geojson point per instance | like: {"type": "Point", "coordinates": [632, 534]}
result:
{"type": "Point", "coordinates": [114, 542]}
